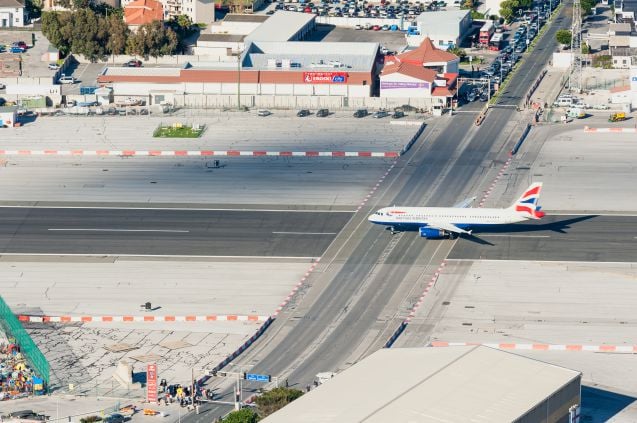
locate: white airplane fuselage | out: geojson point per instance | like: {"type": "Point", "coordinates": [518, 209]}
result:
{"type": "Point", "coordinates": [406, 218]}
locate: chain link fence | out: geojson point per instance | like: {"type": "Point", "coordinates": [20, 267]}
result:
{"type": "Point", "coordinates": [13, 328]}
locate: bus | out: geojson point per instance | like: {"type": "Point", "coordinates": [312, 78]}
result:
{"type": "Point", "coordinates": [485, 33]}
{"type": "Point", "coordinates": [495, 44]}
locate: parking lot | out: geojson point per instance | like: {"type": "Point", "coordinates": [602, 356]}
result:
{"type": "Point", "coordinates": [32, 64]}
{"type": "Point", "coordinates": [392, 40]}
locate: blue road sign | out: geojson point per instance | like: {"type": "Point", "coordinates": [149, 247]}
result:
{"type": "Point", "coordinates": [257, 377]}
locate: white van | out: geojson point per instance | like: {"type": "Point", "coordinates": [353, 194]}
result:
{"type": "Point", "coordinates": [565, 101]}
{"type": "Point", "coordinates": [66, 79]}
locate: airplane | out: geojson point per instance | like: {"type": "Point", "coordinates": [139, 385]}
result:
{"type": "Point", "coordinates": [449, 222]}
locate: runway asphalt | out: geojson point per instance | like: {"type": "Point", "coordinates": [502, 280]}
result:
{"type": "Point", "coordinates": [344, 321]}
{"type": "Point", "coordinates": [591, 237]}
{"type": "Point", "coordinates": [168, 232]}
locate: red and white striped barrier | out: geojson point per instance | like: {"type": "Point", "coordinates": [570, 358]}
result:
{"type": "Point", "coordinates": [296, 288]}
{"type": "Point", "coordinates": [197, 153]}
{"type": "Point", "coordinates": [375, 187]}
{"type": "Point", "coordinates": [614, 130]}
{"type": "Point", "coordinates": [543, 347]}
{"type": "Point", "coordinates": [488, 192]}
{"type": "Point", "coordinates": [149, 318]}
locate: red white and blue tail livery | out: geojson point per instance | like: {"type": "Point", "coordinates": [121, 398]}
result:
{"type": "Point", "coordinates": [441, 222]}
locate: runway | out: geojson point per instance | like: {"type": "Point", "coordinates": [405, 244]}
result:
{"type": "Point", "coordinates": [591, 238]}
{"type": "Point", "coordinates": [96, 231]}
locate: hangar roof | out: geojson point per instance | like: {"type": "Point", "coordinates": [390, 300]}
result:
{"type": "Point", "coordinates": [281, 26]}
{"type": "Point", "coordinates": [440, 22]}
{"type": "Point", "coordinates": [448, 384]}
{"type": "Point", "coordinates": [310, 56]}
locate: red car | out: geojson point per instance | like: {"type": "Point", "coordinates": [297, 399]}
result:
{"type": "Point", "coordinates": [376, 28]}
{"type": "Point", "coordinates": [133, 64]}
{"type": "Point", "coordinates": [20, 44]}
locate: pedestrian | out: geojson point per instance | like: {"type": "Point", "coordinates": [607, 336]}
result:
{"type": "Point", "coordinates": [286, 383]}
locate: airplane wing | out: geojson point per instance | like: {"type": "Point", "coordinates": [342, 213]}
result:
{"type": "Point", "coordinates": [465, 203]}
{"type": "Point", "coordinates": [449, 227]}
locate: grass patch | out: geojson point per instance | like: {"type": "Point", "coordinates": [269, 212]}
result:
{"type": "Point", "coordinates": [178, 130]}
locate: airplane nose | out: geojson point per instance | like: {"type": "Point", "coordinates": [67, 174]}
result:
{"type": "Point", "coordinates": [371, 218]}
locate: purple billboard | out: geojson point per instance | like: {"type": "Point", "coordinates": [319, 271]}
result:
{"type": "Point", "coordinates": [391, 85]}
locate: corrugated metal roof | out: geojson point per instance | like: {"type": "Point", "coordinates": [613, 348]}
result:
{"type": "Point", "coordinates": [235, 17]}
{"type": "Point", "coordinates": [308, 56]}
{"type": "Point", "coordinates": [452, 384]}
{"type": "Point", "coordinates": [281, 26]}
{"type": "Point", "coordinates": [441, 22]}
{"type": "Point", "coordinates": [155, 71]}
{"type": "Point", "coordinates": [221, 37]}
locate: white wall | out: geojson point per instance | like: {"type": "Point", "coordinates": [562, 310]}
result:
{"type": "Point", "coordinates": [397, 78]}
{"type": "Point", "coordinates": [11, 17]}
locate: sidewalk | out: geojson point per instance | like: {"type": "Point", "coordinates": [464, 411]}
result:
{"type": "Point", "coordinates": [550, 86]}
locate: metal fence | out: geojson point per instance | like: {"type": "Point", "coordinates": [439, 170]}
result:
{"type": "Point", "coordinates": [13, 328]}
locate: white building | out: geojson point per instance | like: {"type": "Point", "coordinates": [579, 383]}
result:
{"type": "Point", "coordinates": [199, 11]}
{"type": "Point", "coordinates": [492, 7]}
{"type": "Point", "coordinates": [405, 80]}
{"type": "Point", "coordinates": [445, 384]}
{"type": "Point", "coordinates": [12, 13]}
{"type": "Point", "coordinates": [236, 31]}
{"type": "Point", "coordinates": [445, 28]}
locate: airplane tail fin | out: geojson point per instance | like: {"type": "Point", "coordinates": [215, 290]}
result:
{"type": "Point", "coordinates": [527, 205]}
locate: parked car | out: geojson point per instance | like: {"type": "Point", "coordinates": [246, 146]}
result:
{"type": "Point", "coordinates": [54, 66]}
{"type": "Point", "coordinates": [133, 64]}
{"type": "Point", "coordinates": [358, 27]}
{"type": "Point", "coordinates": [264, 112]}
{"type": "Point", "coordinates": [303, 113]}
{"type": "Point", "coordinates": [114, 418]}
{"type": "Point", "coordinates": [323, 113]}
{"type": "Point", "coordinates": [398, 114]}
{"type": "Point", "coordinates": [66, 79]}
{"type": "Point", "coordinates": [361, 113]}
{"type": "Point", "coordinates": [16, 49]}
{"type": "Point", "coordinates": [20, 44]}
{"type": "Point", "coordinates": [381, 114]}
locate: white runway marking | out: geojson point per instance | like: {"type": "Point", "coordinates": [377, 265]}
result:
{"type": "Point", "coordinates": [156, 256]}
{"type": "Point", "coordinates": [514, 236]}
{"type": "Point", "coordinates": [177, 209]}
{"type": "Point", "coordinates": [116, 230]}
{"type": "Point", "coordinates": [304, 233]}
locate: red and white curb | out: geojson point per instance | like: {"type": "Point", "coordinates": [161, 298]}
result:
{"type": "Point", "coordinates": [488, 192]}
{"type": "Point", "coordinates": [296, 288]}
{"type": "Point", "coordinates": [373, 190]}
{"type": "Point", "coordinates": [149, 318]}
{"type": "Point", "coordinates": [614, 130]}
{"type": "Point", "coordinates": [197, 153]}
{"type": "Point", "coordinates": [430, 285]}
{"type": "Point", "coordinates": [543, 347]}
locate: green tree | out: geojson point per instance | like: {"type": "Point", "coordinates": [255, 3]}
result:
{"type": "Point", "coordinates": [275, 399]}
{"type": "Point", "coordinates": [563, 36]}
{"type": "Point", "coordinates": [461, 53]}
{"type": "Point", "coordinates": [587, 6]}
{"type": "Point", "coordinates": [152, 39]}
{"type": "Point", "coordinates": [507, 10]}
{"type": "Point", "coordinates": [245, 415]}
{"type": "Point", "coordinates": [117, 35]}
{"type": "Point", "coordinates": [56, 27]}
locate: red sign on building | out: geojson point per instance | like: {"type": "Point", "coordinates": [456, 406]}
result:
{"type": "Point", "coordinates": [325, 77]}
{"type": "Point", "coordinates": [151, 383]}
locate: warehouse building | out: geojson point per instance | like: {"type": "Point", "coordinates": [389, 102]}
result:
{"type": "Point", "coordinates": [445, 28]}
{"type": "Point", "coordinates": [235, 32]}
{"type": "Point", "coordinates": [266, 69]}
{"type": "Point", "coordinates": [449, 384]}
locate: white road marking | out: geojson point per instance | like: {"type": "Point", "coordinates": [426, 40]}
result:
{"type": "Point", "coordinates": [156, 256]}
{"type": "Point", "coordinates": [513, 236]}
{"type": "Point", "coordinates": [176, 209]}
{"type": "Point", "coordinates": [116, 230]}
{"type": "Point", "coordinates": [304, 233]}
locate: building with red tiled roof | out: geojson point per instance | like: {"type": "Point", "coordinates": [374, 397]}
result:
{"type": "Point", "coordinates": [428, 56]}
{"type": "Point", "coordinates": [403, 80]}
{"type": "Point", "coordinates": [141, 12]}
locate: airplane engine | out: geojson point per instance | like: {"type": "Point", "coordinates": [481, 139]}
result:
{"type": "Point", "coordinates": [431, 233]}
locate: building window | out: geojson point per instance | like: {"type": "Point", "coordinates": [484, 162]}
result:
{"type": "Point", "coordinates": [440, 43]}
